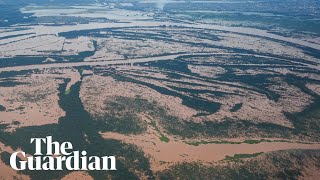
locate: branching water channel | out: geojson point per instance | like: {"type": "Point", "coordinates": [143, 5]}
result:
{"type": "Point", "coordinates": [78, 128]}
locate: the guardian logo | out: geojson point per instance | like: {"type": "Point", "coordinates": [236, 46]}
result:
{"type": "Point", "coordinates": [59, 157]}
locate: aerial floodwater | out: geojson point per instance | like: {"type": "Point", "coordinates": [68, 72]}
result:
{"type": "Point", "coordinates": [159, 89]}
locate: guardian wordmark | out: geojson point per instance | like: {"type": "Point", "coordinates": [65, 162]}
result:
{"type": "Point", "coordinates": [59, 157]}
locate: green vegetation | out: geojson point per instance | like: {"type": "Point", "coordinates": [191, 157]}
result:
{"type": "Point", "coordinates": [122, 115]}
{"type": "Point", "coordinates": [250, 141]}
{"type": "Point", "coordinates": [266, 140]}
{"type": "Point", "coordinates": [162, 136]}
{"type": "Point", "coordinates": [224, 129]}
{"type": "Point", "coordinates": [238, 157]}
{"type": "Point", "coordinates": [197, 143]}
{"type": "Point", "coordinates": [67, 92]}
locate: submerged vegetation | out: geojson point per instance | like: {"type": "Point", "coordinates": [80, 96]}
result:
{"type": "Point", "coordinates": [122, 115]}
